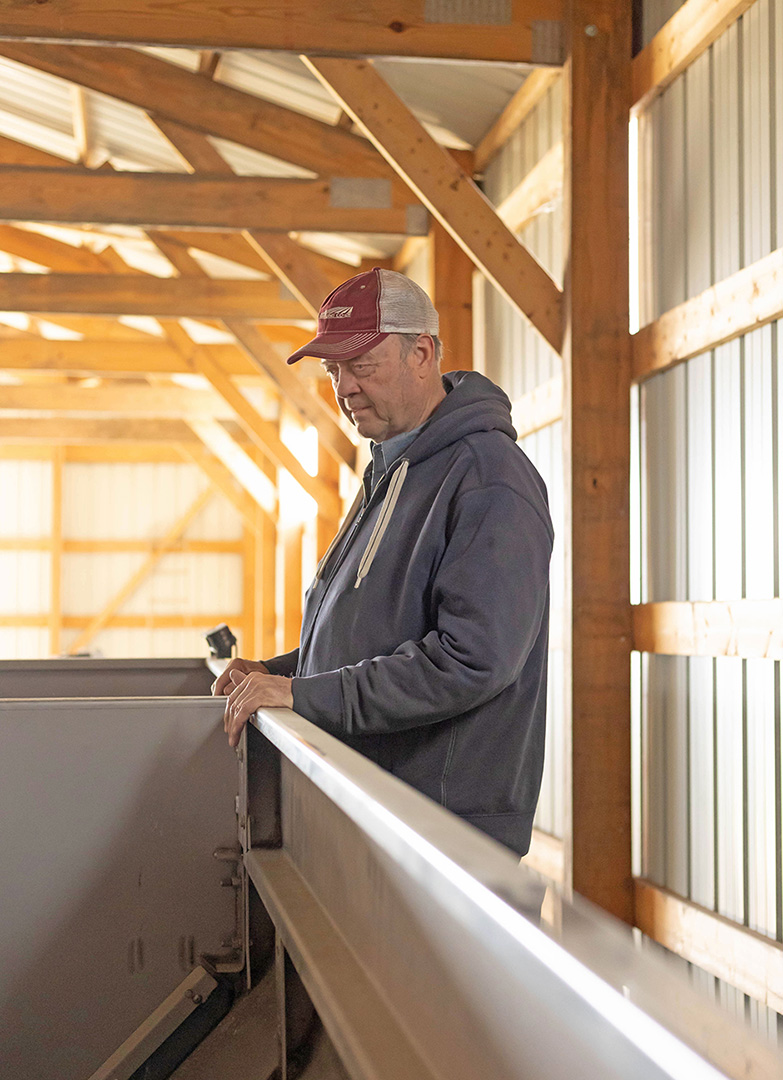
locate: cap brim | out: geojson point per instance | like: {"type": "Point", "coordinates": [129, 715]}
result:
{"type": "Point", "coordinates": [339, 346]}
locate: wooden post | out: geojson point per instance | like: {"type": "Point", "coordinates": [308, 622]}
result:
{"type": "Point", "coordinates": [452, 294]}
{"type": "Point", "coordinates": [292, 585]}
{"type": "Point", "coordinates": [249, 593]}
{"type": "Point", "coordinates": [55, 587]}
{"type": "Point", "coordinates": [596, 368]}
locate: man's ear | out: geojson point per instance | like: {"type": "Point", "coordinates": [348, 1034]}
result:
{"type": "Point", "coordinates": [423, 355]}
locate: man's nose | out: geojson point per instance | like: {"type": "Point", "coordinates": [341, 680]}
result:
{"type": "Point", "coordinates": [346, 383]}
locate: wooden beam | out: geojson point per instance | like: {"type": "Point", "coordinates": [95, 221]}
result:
{"type": "Point", "coordinates": [596, 370]}
{"type": "Point", "coordinates": [308, 276]}
{"type": "Point", "coordinates": [749, 961]}
{"type": "Point", "coordinates": [186, 98]}
{"type": "Point", "coordinates": [44, 250]}
{"type": "Point", "coordinates": [262, 354]}
{"type": "Point", "coordinates": [126, 400]}
{"type": "Point", "coordinates": [189, 547]}
{"type": "Point", "coordinates": [195, 150]}
{"type": "Point", "coordinates": [254, 514]}
{"type": "Point", "coordinates": [743, 302]}
{"type": "Point", "coordinates": [159, 549]}
{"type": "Point", "coordinates": [125, 622]}
{"type": "Point", "coordinates": [81, 197]}
{"type": "Point", "coordinates": [530, 93]}
{"type": "Point", "coordinates": [226, 245]}
{"type": "Point", "coordinates": [546, 856]}
{"type": "Point", "coordinates": [747, 628]}
{"type": "Point", "coordinates": [16, 153]}
{"type": "Point", "coordinates": [240, 465]}
{"type": "Point", "coordinates": [542, 187]}
{"type": "Point", "coordinates": [104, 430]}
{"type": "Point", "coordinates": [263, 433]}
{"type": "Point", "coordinates": [292, 536]}
{"type": "Point", "coordinates": [410, 249]}
{"type": "Point", "coordinates": [538, 409]}
{"type": "Point", "coordinates": [451, 291]}
{"type": "Point", "coordinates": [687, 34]}
{"type": "Point", "coordinates": [100, 328]}
{"type": "Point", "coordinates": [295, 390]}
{"type": "Point", "coordinates": [445, 190]}
{"type": "Point", "coordinates": [120, 294]}
{"type": "Point", "coordinates": [56, 554]}
{"type": "Point", "coordinates": [116, 357]}
{"type": "Point", "coordinates": [529, 34]}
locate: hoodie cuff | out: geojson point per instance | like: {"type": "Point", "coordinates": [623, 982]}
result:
{"type": "Point", "coordinates": [319, 698]}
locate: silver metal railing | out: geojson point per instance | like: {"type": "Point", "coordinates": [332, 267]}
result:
{"type": "Point", "coordinates": [419, 941]}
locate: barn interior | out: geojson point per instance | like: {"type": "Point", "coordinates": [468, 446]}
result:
{"type": "Point", "coordinates": [592, 196]}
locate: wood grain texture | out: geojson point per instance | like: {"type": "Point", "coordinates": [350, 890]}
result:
{"type": "Point", "coordinates": [746, 628]}
{"type": "Point", "coordinates": [751, 962]}
{"type": "Point", "coordinates": [332, 26]}
{"type": "Point", "coordinates": [175, 94]}
{"type": "Point", "coordinates": [447, 192]}
{"type": "Point", "coordinates": [119, 294]}
{"type": "Point", "coordinates": [743, 302]}
{"type": "Point", "coordinates": [451, 292]}
{"type": "Point", "coordinates": [597, 442]}
{"type": "Point", "coordinates": [687, 34]}
{"type": "Point", "coordinates": [81, 197]}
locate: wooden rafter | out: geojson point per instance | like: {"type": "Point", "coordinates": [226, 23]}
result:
{"type": "Point", "coordinates": [542, 187]}
{"type": "Point", "coordinates": [68, 429]}
{"type": "Point", "coordinates": [687, 34]}
{"type": "Point", "coordinates": [120, 294]}
{"type": "Point", "coordinates": [528, 34]}
{"type": "Point", "coordinates": [44, 250]}
{"type": "Point", "coordinates": [530, 93]}
{"type": "Point", "coordinates": [170, 402]}
{"type": "Point", "coordinates": [175, 94]}
{"type": "Point", "coordinates": [746, 628]}
{"type": "Point", "coordinates": [253, 512]}
{"type": "Point", "coordinates": [108, 357]}
{"type": "Point", "coordinates": [750, 961]}
{"type": "Point", "coordinates": [16, 153]}
{"type": "Point", "coordinates": [159, 549]}
{"type": "Point", "coordinates": [238, 462]}
{"type": "Point", "coordinates": [147, 200]}
{"type": "Point", "coordinates": [263, 356]}
{"type": "Point", "coordinates": [304, 273]}
{"type": "Point", "coordinates": [445, 190]}
{"type": "Point", "coordinates": [743, 302]}
{"type": "Point", "coordinates": [538, 409]}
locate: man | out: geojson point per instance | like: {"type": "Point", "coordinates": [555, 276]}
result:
{"type": "Point", "coordinates": [424, 634]}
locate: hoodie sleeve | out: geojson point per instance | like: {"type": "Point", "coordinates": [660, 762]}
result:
{"type": "Point", "coordinates": [489, 597]}
{"type": "Point", "coordinates": [284, 664]}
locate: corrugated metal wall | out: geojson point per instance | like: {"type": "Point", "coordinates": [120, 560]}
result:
{"type": "Point", "coordinates": [709, 479]}
{"type": "Point", "coordinates": [518, 359]}
{"type": "Point", "coordinates": [115, 502]}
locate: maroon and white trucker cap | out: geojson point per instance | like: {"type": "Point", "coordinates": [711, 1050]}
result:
{"type": "Point", "coordinates": [364, 310]}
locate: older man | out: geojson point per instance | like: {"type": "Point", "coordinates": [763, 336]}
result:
{"type": "Point", "coordinates": [424, 635]}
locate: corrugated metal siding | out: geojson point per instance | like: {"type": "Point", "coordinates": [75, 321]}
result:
{"type": "Point", "coordinates": [710, 488]}
{"type": "Point", "coordinates": [114, 501]}
{"type": "Point", "coordinates": [710, 485]}
{"type": "Point", "coordinates": [517, 358]}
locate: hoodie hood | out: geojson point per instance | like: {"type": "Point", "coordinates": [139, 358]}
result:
{"type": "Point", "coordinates": [472, 404]}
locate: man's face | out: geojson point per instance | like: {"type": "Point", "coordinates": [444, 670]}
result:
{"type": "Point", "coordinates": [379, 391]}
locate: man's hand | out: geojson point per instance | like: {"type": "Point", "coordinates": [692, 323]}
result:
{"type": "Point", "coordinates": [253, 691]}
{"type": "Point", "coordinates": [223, 684]}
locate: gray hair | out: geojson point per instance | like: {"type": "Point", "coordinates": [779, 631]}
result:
{"type": "Point", "coordinates": [408, 341]}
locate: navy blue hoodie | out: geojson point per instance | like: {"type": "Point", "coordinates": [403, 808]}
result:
{"type": "Point", "coordinates": [424, 635]}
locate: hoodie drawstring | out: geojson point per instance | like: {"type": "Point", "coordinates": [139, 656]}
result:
{"type": "Point", "coordinates": [382, 524]}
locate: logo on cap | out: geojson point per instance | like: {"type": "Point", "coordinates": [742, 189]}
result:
{"type": "Point", "coordinates": [337, 313]}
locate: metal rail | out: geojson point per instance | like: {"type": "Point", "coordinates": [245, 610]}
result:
{"type": "Point", "coordinates": [419, 942]}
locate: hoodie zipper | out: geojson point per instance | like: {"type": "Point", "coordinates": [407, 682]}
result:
{"type": "Point", "coordinates": [350, 538]}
